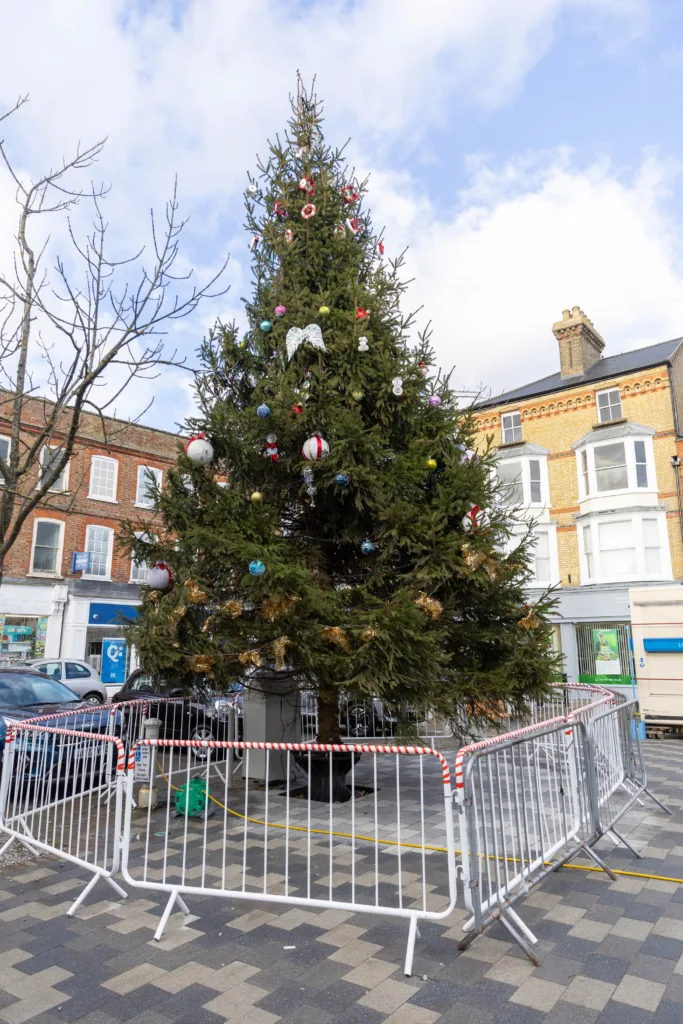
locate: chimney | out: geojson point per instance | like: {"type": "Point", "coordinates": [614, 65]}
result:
{"type": "Point", "coordinates": [580, 344]}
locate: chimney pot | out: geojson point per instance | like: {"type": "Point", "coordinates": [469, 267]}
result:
{"type": "Point", "coordinates": [580, 344]}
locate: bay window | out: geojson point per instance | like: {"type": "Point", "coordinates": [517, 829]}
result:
{"type": "Point", "coordinates": [625, 547]}
{"type": "Point", "coordinates": [607, 464]}
{"type": "Point", "coordinates": [542, 550]}
{"type": "Point", "coordinates": [523, 480]}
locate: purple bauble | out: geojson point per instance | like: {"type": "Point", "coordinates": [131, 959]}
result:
{"type": "Point", "coordinates": [434, 401]}
{"type": "Point", "coordinates": [280, 310]}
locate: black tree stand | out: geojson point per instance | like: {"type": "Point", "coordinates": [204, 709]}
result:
{"type": "Point", "coordinates": [316, 764]}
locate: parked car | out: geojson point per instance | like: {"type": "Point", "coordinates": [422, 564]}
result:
{"type": "Point", "coordinates": [79, 676]}
{"type": "Point", "coordinates": [26, 693]}
{"type": "Point", "coordinates": [194, 717]}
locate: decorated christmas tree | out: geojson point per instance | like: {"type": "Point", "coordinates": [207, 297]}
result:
{"type": "Point", "coordinates": [328, 519]}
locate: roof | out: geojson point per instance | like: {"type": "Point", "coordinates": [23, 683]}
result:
{"type": "Point", "coordinates": [612, 366]}
{"type": "Point", "coordinates": [522, 450]}
{"type": "Point", "coordinates": [609, 433]}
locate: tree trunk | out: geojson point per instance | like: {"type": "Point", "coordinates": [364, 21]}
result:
{"type": "Point", "coordinates": [328, 716]}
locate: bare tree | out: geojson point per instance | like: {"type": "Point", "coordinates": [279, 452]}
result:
{"type": "Point", "coordinates": [83, 338]}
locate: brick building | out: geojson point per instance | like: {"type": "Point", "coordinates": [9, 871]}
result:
{"type": "Point", "coordinates": [46, 609]}
{"type": "Point", "coordinates": [590, 455]}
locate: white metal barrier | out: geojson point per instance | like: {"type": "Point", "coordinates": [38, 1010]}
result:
{"type": "Point", "coordinates": [61, 793]}
{"type": "Point", "coordinates": [385, 850]}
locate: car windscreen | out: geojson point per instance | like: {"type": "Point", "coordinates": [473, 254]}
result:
{"type": "Point", "coordinates": [18, 690]}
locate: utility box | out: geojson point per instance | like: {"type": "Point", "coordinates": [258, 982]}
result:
{"type": "Point", "coordinates": [657, 629]}
{"type": "Point", "coordinates": [272, 712]}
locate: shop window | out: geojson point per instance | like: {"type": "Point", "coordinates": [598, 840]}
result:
{"type": "Point", "coordinates": [103, 478]}
{"type": "Point", "coordinates": [148, 483]}
{"type": "Point", "coordinates": [99, 542]}
{"type": "Point", "coordinates": [46, 553]}
{"type": "Point", "coordinates": [22, 637]}
{"type": "Point", "coordinates": [512, 427]}
{"type": "Point", "coordinates": [609, 405]}
{"type": "Point", "coordinates": [49, 457]}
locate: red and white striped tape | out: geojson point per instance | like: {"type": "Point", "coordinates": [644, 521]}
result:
{"type": "Point", "coordinates": [32, 727]}
{"type": "Point", "coordinates": [335, 748]}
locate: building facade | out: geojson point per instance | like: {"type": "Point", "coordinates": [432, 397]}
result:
{"type": "Point", "coordinates": [590, 455]}
{"type": "Point", "coordinates": [48, 607]}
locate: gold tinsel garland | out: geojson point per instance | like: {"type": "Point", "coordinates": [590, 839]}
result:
{"type": "Point", "coordinates": [274, 607]}
{"type": "Point", "coordinates": [530, 620]}
{"type": "Point", "coordinates": [201, 662]}
{"type": "Point", "coordinates": [369, 634]}
{"type": "Point", "coordinates": [195, 593]}
{"type": "Point", "coordinates": [279, 647]}
{"type": "Point", "coordinates": [429, 605]}
{"type": "Point", "coordinates": [338, 636]}
{"type": "Point", "coordinates": [250, 658]}
{"type": "Point", "coordinates": [208, 623]}
{"type": "Point", "coordinates": [153, 595]}
{"type": "Point", "coordinates": [472, 558]}
{"type": "Point", "coordinates": [232, 608]}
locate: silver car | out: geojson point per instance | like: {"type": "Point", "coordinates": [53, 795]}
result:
{"type": "Point", "coordinates": [79, 676]}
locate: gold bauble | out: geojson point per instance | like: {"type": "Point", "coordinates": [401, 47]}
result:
{"type": "Point", "coordinates": [232, 608]}
{"type": "Point", "coordinates": [201, 663]}
{"type": "Point", "coordinates": [357, 396]}
{"type": "Point", "coordinates": [279, 647]}
{"type": "Point", "coordinates": [195, 593]}
{"type": "Point", "coordinates": [431, 463]}
{"type": "Point", "coordinates": [324, 311]}
{"type": "Point", "coordinates": [369, 634]}
{"type": "Point", "coordinates": [250, 658]}
{"type": "Point", "coordinates": [338, 636]}
{"type": "Point", "coordinates": [153, 595]}
{"type": "Point", "coordinates": [256, 497]}
{"type": "Point", "coordinates": [429, 605]}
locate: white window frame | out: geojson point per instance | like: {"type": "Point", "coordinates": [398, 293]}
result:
{"type": "Point", "coordinates": [512, 426]}
{"type": "Point", "coordinates": [517, 536]}
{"type": "Point", "coordinates": [140, 535]}
{"type": "Point", "coordinates": [159, 476]}
{"type": "Point", "coordinates": [57, 574]}
{"type": "Point", "coordinates": [609, 391]}
{"type": "Point", "coordinates": [636, 518]}
{"type": "Point", "coordinates": [4, 437]}
{"type": "Point", "coordinates": [100, 497]}
{"type": "Point", "coordinates": [110, 552]}
{"type": "Point", "coordinates": [526, 461]}
{"type": "Point", "coordinates": [64, 474]}
{"type": "Point", "coordinates": [632, 487]}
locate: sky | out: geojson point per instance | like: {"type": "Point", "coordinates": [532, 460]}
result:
{"type": "Point", "coordinates": [529, 154]}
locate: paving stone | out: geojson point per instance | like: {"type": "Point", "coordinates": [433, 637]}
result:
{"type": "Point", "coordinates": [652, 968]}
{"type": "Point", "coordinates": [538, 994]}
{"type": "Point", "coordinates": [646, 995]}
{"type": "Point", "coordinates": [588, 992]}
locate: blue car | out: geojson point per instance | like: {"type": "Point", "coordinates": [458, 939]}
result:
{"type": "Point", "coordinates": [26, 694]}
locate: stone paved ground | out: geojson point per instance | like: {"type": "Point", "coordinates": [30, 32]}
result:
{"type": "Point", "coordinates": [611, 952]}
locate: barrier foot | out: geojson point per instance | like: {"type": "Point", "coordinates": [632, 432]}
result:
{"type": "Point", "coordinates": [468, 938]}
{"type": "Point", "coordinates": [167, 913]}
{"type": "Point", "coordinates": [599, 861]}
{"type": "Point", "coordinates": [622, 839]}
{"type": "Point", "coordinates": [519, 939]}
{"type": "Point", "coordinates": [18, 839]}
{"type": "Point", "coordinates": [410, 948]}
{"type": "Point", "coordinates": [86, 892]}
{"type": "Point", "coordinates": [657, 801]}
{"type": "Point", "coordinates": [183, 905]}
{"type": "Point", "coordinates": [116, 887]}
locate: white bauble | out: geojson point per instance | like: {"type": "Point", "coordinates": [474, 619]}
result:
{"type": "Point", "coordinates": [159, 577]}
{"type": "Point", "coordinates": [199, 450]}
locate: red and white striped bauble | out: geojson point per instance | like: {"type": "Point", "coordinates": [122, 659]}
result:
{"type": "Point", "coordinates": [199, 450]}
{"type": "Point", "coordinates": [476, 519]}
{"type": "Point", "coordinates": [160, 577]}
{"type": "Point", "coordinates": [315, 448]}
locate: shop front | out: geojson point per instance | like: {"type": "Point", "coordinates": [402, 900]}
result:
{"type": "Point", "coordinates": [30, 621]}
{"type": "Point", "coordinates": [93, 632]}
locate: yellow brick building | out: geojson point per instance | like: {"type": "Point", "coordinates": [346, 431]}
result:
{"type": "Point", "coordinates": [590, 454]}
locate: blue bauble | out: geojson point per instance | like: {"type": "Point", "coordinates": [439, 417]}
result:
{"type": "Point", "coordinates": [367, 547]}
{"type": "Point", "coordinates": [257, 568]}
{"type": "Point", "coordinates": [263, 411]}
{"type": "Point", "coordinates": [341, 480]}
{"type": "Point", "coordinates": [266, 326]}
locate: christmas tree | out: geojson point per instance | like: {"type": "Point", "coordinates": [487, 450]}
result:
{"type": "Point", "coordinates": [329, 520]}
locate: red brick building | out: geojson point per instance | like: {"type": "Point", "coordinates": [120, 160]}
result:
{"type": "Point", "coordinates": [46, 609]}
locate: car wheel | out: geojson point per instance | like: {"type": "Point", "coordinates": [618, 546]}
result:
{"type": "Point", "coordinates": [200, 732]}
{"type": "Point", "coordinates": [93, 698]}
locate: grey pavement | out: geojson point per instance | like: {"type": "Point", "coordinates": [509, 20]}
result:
{"type": "Point", "coordinates": [610, 951]}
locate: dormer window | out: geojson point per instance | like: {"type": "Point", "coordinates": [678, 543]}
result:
{"type": "Point", "coordinates": [609, 405]}
{"type": "Point", "coordinates": [511, 424]}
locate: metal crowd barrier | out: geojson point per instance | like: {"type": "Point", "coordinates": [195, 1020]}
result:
{"type": "Point", "coordinates": [61, 793]}
{"type": "Point", "coordinates": [617, 768]}
{"type": "Point", "coordinates": [386, 850]}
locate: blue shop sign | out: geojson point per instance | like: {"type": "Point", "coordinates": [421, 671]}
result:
{"type": "Point", "coordinates": [114, 661]}
{"type": "Point", "coordinates": [663, 645]}
{"type": "Point", "coordinates": [111, 614]}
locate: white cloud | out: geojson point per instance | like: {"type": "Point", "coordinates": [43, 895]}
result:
{"type": "Point", "coordinates": [528, 240]}
{"type": "Point", "coordinates": [196, 88]}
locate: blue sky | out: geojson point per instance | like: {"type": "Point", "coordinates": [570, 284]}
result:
{"type": "Point", "coordinates": [528, 153]}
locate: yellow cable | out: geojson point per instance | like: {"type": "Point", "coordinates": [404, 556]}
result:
{"type": "Point", "coordinates": [410, 846]}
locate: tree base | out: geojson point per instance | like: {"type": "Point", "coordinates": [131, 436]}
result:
{"type": "Point", "coordinates": [318, 770]}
